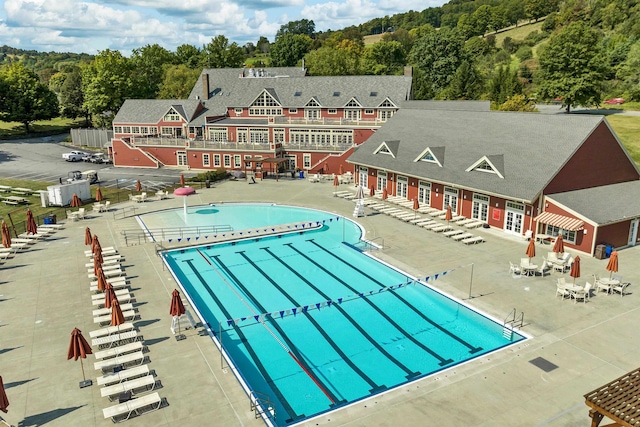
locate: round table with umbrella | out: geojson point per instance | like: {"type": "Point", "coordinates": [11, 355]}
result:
{"type": "Point", "coordinates": [448, 216]}
{"type": "Point", "coordinates": [184, 191]}
{"type": "Point", "coordinates": [78, 349]}
{"type": "Point", "coordinates": [612, 265]}
{"type": "Point", "coordinates": [531, 250]}
{"type": "Point", "coordinates": [32, 227]}
{"type": "Point", "coordinates": [176, 310]}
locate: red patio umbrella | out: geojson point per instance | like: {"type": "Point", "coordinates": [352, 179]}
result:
{"type": "Point", "coordinates": [182, 180]}
{"type": "Point", "coordinates": [612, 266]}
{"type": "Point", "coordinates": [340, 170]}
{"type": "Point", "coordinates": [416, 204]}
{"type": "Point", "coordinates": [448, 216]}
{"type": "Point", "coordinates": [138, 185]}
{"type": "Point", "coordinates": [102, 281]}
{"type": "Point", "coordinates": [177, 308]}
{"type": "Point", "coordinates": [6, 235]}
{"type": "Point", "coordinates": [99, 197]}
{"type": "Point", "coordinates": [117, 318]}
{"type": "Point", "coordinates": [109, 295]}
{"type": "Point", "coordinates": [32, 227]}
{"type": "Point", "coordinates": [385, 194]}
{"type": "Point", "coordinates": [95, 245]}
{"type": "Point", "coordinates": [531, 249]}
{"type": "Point", "coordinates": [88, 239]}
{"type": "Point", "coordinates": [575, 269]}
{"type": "Point", "coordinates": [97, 262]}
{"type": "Point", "coordinates": [336, 181]}
{"type": "Point", "coordinates": [4, 400]}
{"type": "Point", "coordinates": [75, 201]}
{"type": "Point", "coordinates": [79, 348]}
{"type": "Point", "coordinates": [372, 191]}
{"type": "Point", "coordinates": [558, 246]}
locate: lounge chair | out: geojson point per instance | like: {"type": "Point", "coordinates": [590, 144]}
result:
{"type": "Point", "coordinates": [116, 285]}
{"type": "Point", "coordinates": [107, 273]}
{"type": "Point", "coordinates": [314, 178]}
{"type": "Point", "coordinates": [105, 262]}
{"type": "Point", "coordinates": [103, 311]}
{"type": "Point", "coordinates": [114, 340]}
{"type": "Point", "coordinates": [582, 294]}
{"type": "Point", "coordinates": [474, 224]}
{"type": "Point", "coordinates": [117, 377]}
{"type": "Point", "coordinates": [51, 226]}
{"type": "Point", "coordinates": [89, 253]}
{"type": "Point", "coordinates": [110, 330]}
{"type": "Point", "coordinates": [139, 406]}
{"type": "Point", "coordinates": [118, 351]}
{"type": "Point", "coordinates": [128, 315]}
{"type": "Point", "coordinates": [136, 358]}
{"type": "Point", "coordinates": [432, 225]}
{"type": "Point", "coordinates": [452, 233]}
{"type": "Point", "coordinates": [123, 298]}
{"type": "Point", "coordinates": [25, 241]}
{"type": "Point", "coordinates": [473, 240]}
{"type": "Point", "coordinates": [426, 209]}
{"type": "Point", "coordinates": [462, 236]}
{"type": "Point", "coordinates": [442, 228]}
{"type": "Point", "coordinates": [107, 268]}
{"type": "Point", "coordinates": [115, 280]}
{"type": "Point", "coordinates": [136, 386]}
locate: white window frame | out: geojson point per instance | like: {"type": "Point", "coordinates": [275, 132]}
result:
{"type": "Point", "coordinates": [332, 111]}
{"type": "Point", "coordinates": [402, 186]}
{"type": "Point", "coordinates": [368, 111]}
{"type": "Point", "coordinates": [293, 111]}
{"type": "Point", "coordinates": [567, 235]}
{"type": "Point", "coordinates": [227, 161]}
{"type": "Point", "coordinates": [480, 207]}
{"type": "Point", "coordinates": [306, 161]}
{"type": "Point", "coordinates": [206, 160]}
{"type": "Point", "coordinates": [216, 160]}
{"type": "Point", "coordinates": [238, 111]}
{"type": "Point", "coordinates": [242, 135]}
{"type": "Point", "coordinates": [237, 161]}
{"type": "Point", "coordinates": [424, 193]}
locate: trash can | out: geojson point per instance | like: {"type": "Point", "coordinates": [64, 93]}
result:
{"type": "Point", "coordinates": [301, 175]}
{"type": "Point", "coordinates": [609, 250]}
{"type": "Point", "coordinates": [207, 183]}
{"type": "Point", "coordinates": [601, 252]}
{"type": "Point", "coordinates": [49, 219]}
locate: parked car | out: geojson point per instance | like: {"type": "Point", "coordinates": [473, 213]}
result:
{"type": "Point", "coordinates": [74, 156]}
{"type": "Point", "coordinates": [614, 101]}
{"type": "Point", "coordinates": [96, 158]}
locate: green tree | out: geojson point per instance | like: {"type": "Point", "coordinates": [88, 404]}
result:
{"type": "Point", "coordinates": [178, 81]}
{"type": "Point", "coordinates": [72, 96]}
{"type": "Point", "coordinates": [289, 49]}
{"type": "Point", "coordinates": [23, 98]}
{"type": "Point", "coordinates": [467, 83]}
{"type": "Point", "coordinates": [573, 66]}
{"type": "Point", "coordinates": [303, 26]}
{"type": "Point", "coordinates": [147, 63]}
{"type": "Point", "coordinates": [518, 103]}
{"type": "Point", "coordinates": [437, 55]}
{"type": "Point", "coordinates": [218, 53]}
{"type": "Point", "coordinates": [503, 84]}
{"type": "Point", "coordinates": [106, 82]}
{"type": "Point", "coordinates": [188, 55]}
{"type": "Point", "coordinates": [384, 58]}
{"type": "Point", "coordinates": [344, 59]}
{"type": "Point", "coordinates": [263, 44]}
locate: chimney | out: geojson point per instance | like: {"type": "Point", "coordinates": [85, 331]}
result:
{"type": "Point", "coordinates": [205, 86]}
{"type": "Point", "coordinates": [408, 71]}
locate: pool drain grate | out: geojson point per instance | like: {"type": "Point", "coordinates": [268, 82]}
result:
{"type": "Point", "coordinates": [543, 364]}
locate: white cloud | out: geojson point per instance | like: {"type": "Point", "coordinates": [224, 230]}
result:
{"type": "Point", "coordinates": [335, 15]}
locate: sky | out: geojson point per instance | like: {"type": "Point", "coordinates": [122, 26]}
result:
{"type": "Point", "coordinates": [90, 26]}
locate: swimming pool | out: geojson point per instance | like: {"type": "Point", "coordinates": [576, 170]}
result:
{"type": "Point", "coordinates": [313, 323]}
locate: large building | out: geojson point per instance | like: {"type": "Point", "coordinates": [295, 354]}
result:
{"type": "Point", "coordinates": [235, 118]}
{"type": "Point", "coordinates": [551, 174]}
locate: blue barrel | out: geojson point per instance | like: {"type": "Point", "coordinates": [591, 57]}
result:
{"type": "Point", "coordinates": [609, 250]}
{"type": "Point", "coordinates": [301, 175]}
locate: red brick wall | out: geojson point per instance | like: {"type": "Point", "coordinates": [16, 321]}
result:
{"type": "Point", "coordinates": [124, 155]}
{"type": "Point", "coordinates": [599, 161]}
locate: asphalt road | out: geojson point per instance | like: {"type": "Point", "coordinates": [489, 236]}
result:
{"type": "Point", "coordinates": [40, 159]}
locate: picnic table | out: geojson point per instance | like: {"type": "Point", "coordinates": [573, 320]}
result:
{"type": "Point", "coordinates": [15, 200]}
{"type": "Point", "coordinates": [5, 188]}
{"type": "Point", "coordinates": [22, 191]}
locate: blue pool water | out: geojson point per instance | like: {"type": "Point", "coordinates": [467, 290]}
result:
{"type": "Point", "coordinates": [314, 323]}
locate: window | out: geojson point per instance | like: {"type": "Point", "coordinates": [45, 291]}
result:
{"type": "Point", "coordinates": [332, 111]}
{"type": "Point", "coordinates": [424, 193]}
{"type": "Point", "coordinates": [336, 93]}
{"type": "Point", "coordinates": [278, 135]}
{"type": "Point", "coordinates": [293, 111]}
{"type": "Point", "coordinates": [165, 131]}
{"type": "Point", "coordinates": [353, 103]}
{"type": "Point", "coordinates": [227, 161]}
{"type": "Point", "coordinates": [218, 134]}
{"type": "Point", "coordinates": [216, 160]}
{"type": "Point", "coordinates": [117, 129]}
{"type": "Point", "coordinates": [312, 113]}
{"type": "Point", "coordinates": [387, 104]}
{"type": "Point", "coordinates": [384, 115]}
{"type": "Point", "coordinates": [428, 156]}
{"type": "Point", "coordinates": [242, 136]}
{"type": "Point", "coordinates": [297, 93]}
{"type": "Point", "coordinates": [181, 157]}
{"type": "Point", "coordinates": [352, 114]}
{"type": "Point", "coordinates": [373, 94]}
{"type": "Point", "coordinates": [569, 236]}
{"type": "Point", "coordinates": [172, 116]}
{"type": "Point", "coordinates": [237, 161]}
{"type": "Point", "coordinates": [126, 129]}
{"type": "Point", "coordinates": [369, 112]}
{"type": "Point", "coordinates": [259, 136]}
{"type": "Point", "coordinates": [144, 130]}
{"type": "Point", "coordinates": [206, 160]}
{"type": "Point", "coordinates": [265, 105]}
{"type": "Point", "coordinates": [135, 130]}
{"type": "Point", "coordinates": [480, 208]}
{"type": "Point", "coordinates": [238, 111]}
{"type": "Point", "coordinates": [312, 103]}
{"type": "Point", "coordinates": [306, 161]}
{"type": "Point", "coordinates": [384, 150]}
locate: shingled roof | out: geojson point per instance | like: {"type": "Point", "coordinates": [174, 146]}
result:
{"type": "Point", "coordinates": [527, 148]}
{"type": "Point", "coordinates": [141, 111]}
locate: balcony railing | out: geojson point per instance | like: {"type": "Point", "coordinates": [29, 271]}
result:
{"type": "Point", "coordinates": [215, 145]}
{"type": "Point", "coordinates": [327, 121]}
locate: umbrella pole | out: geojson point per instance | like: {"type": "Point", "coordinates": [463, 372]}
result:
{"type": "Point", "coordinates": [82, 367]}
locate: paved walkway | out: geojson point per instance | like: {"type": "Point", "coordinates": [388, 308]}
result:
{"type": "Point", "coordinates": [44, 294]}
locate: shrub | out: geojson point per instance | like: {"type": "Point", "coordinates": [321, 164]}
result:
{"type": "Point", "coordinates": [214, 175]}
{"type": "Point", "coordinates": [523, 53]}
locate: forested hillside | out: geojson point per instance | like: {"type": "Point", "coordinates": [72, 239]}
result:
{"type": "Point", "coordinates": [577, 52]}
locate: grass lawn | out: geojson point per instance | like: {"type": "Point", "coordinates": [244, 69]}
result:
{"type": "Point", "coordinates": [45, 127]}
{"type": "Point", "coordinates": [519, 33]}
{"type": "Point", "coordinates": [628, 130]}
{"type": "Point", "coordinates": [374, 38]}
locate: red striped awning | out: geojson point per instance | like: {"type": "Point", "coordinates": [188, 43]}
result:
{"type": "Point", "coordinates": [560, 221]}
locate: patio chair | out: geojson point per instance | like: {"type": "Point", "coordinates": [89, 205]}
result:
{"type": "Point", "coordinates": [582, 294]}
{"type": "Point", "coordinates": [544, 267]}
{"type": "Point", "coordinates": [620, 288]}
{"type": "Point", "coordinates": [514, 269]}
{"type": "Point", "coordinates": [527, 235]}
{"type": "Point", "coordinates": [600, 286]}
{"type": "Point", "coordinates": [106, 206]}
{"type": "Point", "coordinates": [562, 290]}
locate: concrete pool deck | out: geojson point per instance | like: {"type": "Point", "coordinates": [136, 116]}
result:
{"type": "Point", "coordinates": [44, 294]}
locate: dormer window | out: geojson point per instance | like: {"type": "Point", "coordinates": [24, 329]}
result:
{"type": "Point", "coordinates": [489, 164]}
{"type": "Point", "coordinates": [431, 155]}
{"type": "Point", "coordinates": [387, 149]}
{"type": "Point", "coordinates": [172, 116]}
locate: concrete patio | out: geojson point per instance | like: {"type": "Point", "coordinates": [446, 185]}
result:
{"type": "Point", "coordinates": [44, 294]}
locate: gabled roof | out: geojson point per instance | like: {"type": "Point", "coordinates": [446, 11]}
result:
{"type": "Point", "coordinates": [153, 110]}
{"type": "Point", "coordinates": [388, 147]}
{"type": "Point", "coordinates": [534, 147]}
{"type": "Point", "coordinates": [241, 91]}
{"type": "Point", "coordinates": [431, 154]}
{"type": "Point", "coordinates": [493, 164]}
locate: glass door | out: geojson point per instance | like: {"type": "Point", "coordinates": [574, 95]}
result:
{"type": "Point", "coordinates": [401, 187]}
{"type": "Point", "coordinates": [451, 199]}
{"type": "Point", "coordinates": [513, 218]}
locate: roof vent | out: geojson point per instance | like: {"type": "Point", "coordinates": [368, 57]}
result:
{"type": "Point", "coordinates": [373, 94]}
{"type": "Point", "coordinates": [297, 94]}
{"type": "Point", "coordinates": [336, 93]}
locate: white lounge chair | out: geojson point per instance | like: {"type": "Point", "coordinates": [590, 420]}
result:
{"type": "Point", "coordinates": [136, 386]}
{"type": "Point", "coordinates": [104, 311]}
{"type": "Point", "coordinates": [117, 377]}
{"type": "Point", "coordinates": [125, 327]}
{"type": "Point", "coordinates": [89, 253]}
{"type": "Point", "coordinates": [139, 406]}
{"type": "Point", "coordinates": [620, 288]}
{"type": "Point", "coordinates": [314, 178]}
{"type": "Point", "coordinates": [514, 269]}
{"type": "Point", "coordinates": [452, 233]}
{"type": "Point", "coordinates": [128, 315]}
{"type": "Point", "coordinates": [474, 224]}
{"type": "Point", "coordinates": [116, 286]}
{"type": "Point", "coordinates": [117, 351]}
{"type": "Point", "coordinates": [462, 236]}
{"type": "Point", "coordinates": [114, 340]}
{"type": "Point", "coordinates": [136, 358]}
{"type": "Point", "coordinates": [442, 228]}
{"type": "Point", "coordinates": [473, 240]}
{"type": "Point", "coordinates": [124, 298]}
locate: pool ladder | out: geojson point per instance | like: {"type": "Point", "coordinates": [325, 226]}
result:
{"type": "Point", "coordinates": [512, 321]}
{"type": "Point", "coordinates": [261, 405]}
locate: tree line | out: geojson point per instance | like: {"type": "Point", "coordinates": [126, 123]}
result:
{"type": "Point", "coordinates": [581, 54]}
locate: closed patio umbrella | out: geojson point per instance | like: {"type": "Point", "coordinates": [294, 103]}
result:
{"type": "Point", "coordinates": [97, 262]}
{"type": "Point", "coordinates": [360, 193]}
{"type": "Point", "coordinates": [385, 194]}
{"type": "Point", "coordinates": [6, 235]}
{"type": "Point", "coordinates": [372, 191]}
{"type": "Point", "coordinates": [448, 216]}
{"type": "Point", "coordinates": [32, 227]}
{"type": "Point", "coordinates": [531, 250]}
{"type": "Point", "coordinates": [612, 266]}
{"type": "Point", "coordinates": [117, 318]}
{"type": "Point", "coordinates": [109, 295]}
{"type": "Point", "coordinates": [88, 239]}
{"type": "Point", "coordinates": [4, 400]}
{"type": "Point", "coordinates": [182, 180]}
{"type": "Point", "coordinates": [95, 245]}
{"type": "Point", "coordinates": [558, 246]}
{"type": "Point", "coordinates": [99, 197]}
{"type": "Point", "coordinates": [340, 170]}
{"type": "Point", "coordinates": [575, 269]}
{"type": "Point", "coordinates": [75, 201]}
{"type": "Point", "coordinates": [176, 310]}
{"type": "Point", "coordinates": [336, 181]}
{"type": "Point", "coordinates": [138, 185]}
{"type": "Point", "coordinates": [79, 348]}
{"type": "Point", "coordinates": [102, 281]}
